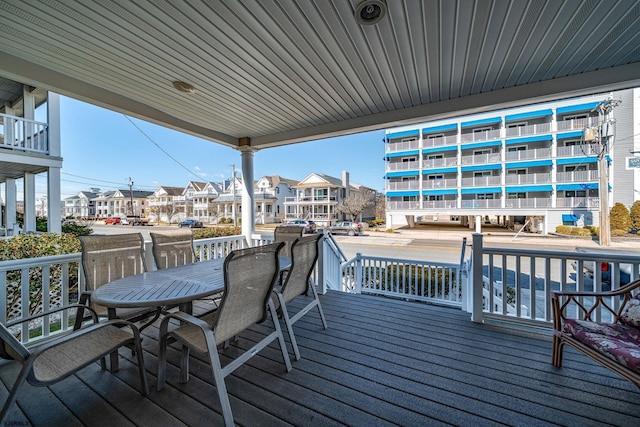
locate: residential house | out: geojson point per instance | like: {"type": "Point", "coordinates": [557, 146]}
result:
{"type": "Point", "coordinates": [121, 203]}
{"type": "Point", "coordinates": [318, 195]}
{"type": "Point", "coordinates": [536, 165]}
{"type": "Point", "coordinates": [270, 193]}
{"type": "Point", "coordinates": [82, 205]}
{"type": "Point", "coordinates": [198, 198]}
{"type": "Point", "coordinates": [164, 204]}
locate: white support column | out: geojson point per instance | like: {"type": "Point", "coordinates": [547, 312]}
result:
{"type": "Point", "coordinates": [54, 217]}
{"type": "Point", "coordinates": [248, 207]}
{"type": "Point", "coordinates": [29, 202]}
{"type": "Point", "coordinates": [11, 201]}
{"type": "Point", "coordinates": [478, 224]}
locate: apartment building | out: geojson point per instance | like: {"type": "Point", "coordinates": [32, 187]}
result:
{"type": "Point", "coordinates": [82, 205]}
{"type": "Point", "coordinates": [536, 165]}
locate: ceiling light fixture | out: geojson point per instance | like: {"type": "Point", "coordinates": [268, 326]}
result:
{"type": "Point", "coordinates": [184, 87]}
{"type": "Point", "coordinates": [370, 12]}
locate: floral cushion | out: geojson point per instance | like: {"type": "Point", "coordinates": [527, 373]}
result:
{"type": "Point", "coordinates": [631, 315]}
{"type": "Point", "coordinates": [618, 342]}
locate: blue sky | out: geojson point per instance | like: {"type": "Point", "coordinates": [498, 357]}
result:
{"type": "Point", "coordinates": [101, 148]}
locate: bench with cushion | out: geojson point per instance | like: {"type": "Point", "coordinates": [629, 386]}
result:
{"type": "Point", "coordinates": [616, 343]}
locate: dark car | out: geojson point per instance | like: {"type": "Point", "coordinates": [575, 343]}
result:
{"type": "Point", "coordinates": [190, 223]}
{"type": "Point", "coordinates": [345, 227]}
{"type": "Point", "coordinates": [309, 226]}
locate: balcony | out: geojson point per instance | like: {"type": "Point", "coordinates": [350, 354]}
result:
{"type": "Point", "coordinates": [577, 176]}
{"type": "Point", "coordinates": [538, 153]}
{"type": "Point", "coordinates": [537, 129]}
{"type": "Point", "coordinates": [403, 166]}
{"type": "Point", "coordinates": [436, 163]}
{"type": "Point", "coordinates": [578, 202]}
{"type": "Point", "coordinates": [481, 181]}
{"type": "Point", "coordinates": [481, 159]}
{"type": "Point", "coordinates": [580, 150]}
{"type": "Point", "coordinates": [488, 135]}
{"type": "Point", "coordinates": [533, 202]}
{"type": "Point", "coordinates": [397, 206]}
{"type": "Point", "coordinates": [429, 184]}
{"type": "Point", "coordinates": [17, 133]}
{"type": "Point", "coordinates": [532, 178]}
{"type": "Point", "coordinates": [576, 124]}
{"type": "Point", "coordinates": [394, 147]}
{"type": "Point", "coordinates": [403, 185]}
{"type": "Point", "coordinates": [480, 203]}
{"type": "Point", "coordinates": [309, 199]}
{"type": "Point", "coordinates": [440, 204]}
{"type": "Point", "coordinates": [440, 141]}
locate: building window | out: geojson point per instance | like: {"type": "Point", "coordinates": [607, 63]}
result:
{"type": "Point", "coordinates": [482, 130]}
{"type": "Point", "coordinates": [409, 198]}
{"type": "Point", "coordinates": [481, 174]}
{"type": "Point", "coordinates": [435, 156]}
{"type": "Point", "coordinates": [576, 117]}
{"type": "Point", "coordinates": [434, 177]}
{"type": "Point", "coordinates": [575, 168]}
{"type": "Point", "coordinates": [517, 172]}
{"type": "Point", "coordinates": [579, 193]}
{"type": "Point", "coordinates": [516, 195]}
{"type": "Point", "coordinates": [481, 152]}
{"type": "Point", "coordinates": [408, 159]}
{"type": "Point", "coordinates": [518, 148]}
{"type": "Point", "coordinates": [485, 196]}
{"type": "Point", "coordinates": [439, 135]}
{"type": "Point", "coordinates": [516, 125]}
{"type": "Point", "coordinates": [435, 198]}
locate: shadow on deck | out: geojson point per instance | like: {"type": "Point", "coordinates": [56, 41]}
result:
{"type": "Point", "coordinates": [381, 362]}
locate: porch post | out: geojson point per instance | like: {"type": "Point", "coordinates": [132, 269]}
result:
{"type": "Point", "coordinates": [54, 196]}
{"type": "Point", "coordinates": [10, 202]}
{"type": "Point", "coordinates": [477, 282]}
{"type": "Point", "coordinates": [248, 207]}
{"type": "Point", "coordinates": [29, 223]}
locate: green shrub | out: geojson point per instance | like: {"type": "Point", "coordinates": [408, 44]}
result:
{"type": "Point", "coordinates": [620, 218]}
{"type": "Point", "coordinates": [595, 231]}
{"type": "Point", "coordinates": [635, 215]}
{"type": "Point", "coordinates": [211, 232]}
{"type": "Point", "coordinates": [618, 233]}
{"type": "Point", "coordinates": [389, 230]}
{"type": "Point", "coordinates": [76, 229]}
{"type": "Point", "coordinates": [573, 231]}
{"type": "Point", "coordinates": [376, 222]}
{"type": "Point", "coordinates": [34, 246]}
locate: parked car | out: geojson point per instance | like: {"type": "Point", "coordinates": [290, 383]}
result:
{"type": "Point", "coordinates": [114, 220]}
{"type": "Point", "coordinates": [345, 227]}
{"type": "Point", "coordinates": [309, 226]}
{"type": "Point", "coordinates": [190, 223]}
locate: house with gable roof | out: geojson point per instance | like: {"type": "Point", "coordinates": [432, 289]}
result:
{"type": "Point", "coordinates": [318, 195]}
{"type": "Point", "coordinates": [82, 205]}
{"type": "Point", "coordinates": [163, 205]}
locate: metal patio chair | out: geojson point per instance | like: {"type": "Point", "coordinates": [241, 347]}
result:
{"type": "Point", "coordinates": [249, 277]}
{"type": "Point", "coordinates": [58, 358]}
{"type": "Point", "coordinates": [108, 258]}
{"type": "Point", "coordinates": [304, 254]}
{"type": "Point", "coordinates": [173, 248]}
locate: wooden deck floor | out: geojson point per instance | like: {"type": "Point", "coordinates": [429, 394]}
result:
{"type": "Point", "coordinates": [381, 362]}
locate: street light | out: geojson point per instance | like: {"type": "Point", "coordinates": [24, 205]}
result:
{"type": "Point", "coordinates": [131, 194]}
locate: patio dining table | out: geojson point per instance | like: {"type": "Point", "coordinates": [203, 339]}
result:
{"type": "Point", "coordinates": [168, 287]}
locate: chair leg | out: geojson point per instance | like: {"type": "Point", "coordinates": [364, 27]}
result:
{"type": "Point", "coordinates": [184, 365]}
{"type": "Point", "coordinates": [289, 325]}
{"type": "Point", "coordinates": [221, 387]}
{"type": "Point", "coordinates": [317, 298]}
{"type": "Point", "coordinates": [144, 385]}
{"type": "Point", "coordinates": [556, 357]}
{"type": "Point", "coordinates": [22, 376]}
{"type": "Point", "coordinates": [276, 325]}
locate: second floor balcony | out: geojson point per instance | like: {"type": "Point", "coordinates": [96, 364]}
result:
{"type": "Point", "coordinates": [579, 150]}
{"type": "Point", "coordinates": [396, 146]}
{"type": "Point", "coordinates": [577, 176]}
{"type": "Point", "coordinates": [532, 178]}
{"type": "Point", "coordinates": [537, 153]}
{"type": "Point", "coordinates": [17, 133]}
{"type": "Point", "coordinates": [530, 202]}
{"type": "Point", "coordinates": [403, 166]}
{"type": "Point", "coordinates": [536, 129]}
{"type": "Point", "coordinates": [429, 184]}
{"type": "Point", "coordinates": [481, 181]}
{"type": "Point", "coordinates": [481, 159]}
{"type": "Point", "coordinates": [578, 202]}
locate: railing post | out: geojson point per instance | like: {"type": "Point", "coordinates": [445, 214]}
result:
{"type": "Point", "coordinates": [358, 273]}
{"type": "Point", "coordinates": [477, 282]}
{"type": "Point", "coordinates": [148, 256]}
{"type": "Point", "coordinates": [321, 287]}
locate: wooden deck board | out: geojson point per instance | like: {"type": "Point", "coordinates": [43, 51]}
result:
{"type": "Point", "coordinates": [381, 362]}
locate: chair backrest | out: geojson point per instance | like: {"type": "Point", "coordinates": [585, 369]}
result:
{"type": "Point", "coordinates": [249, 276]}
{"type": "Point", "coordinates": [108, 258]}
{"type": "Point", "coordinates": [287, 235]}
{"type": "Point", "coordinates": [304, 254]}
{"type": "Point", "coordinates": [173, 248]}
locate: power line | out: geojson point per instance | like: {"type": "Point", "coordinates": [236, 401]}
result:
{"type": "Point", "coordinates": [162, 149]}
{"type": "Point", "coordinates": [95, 180]}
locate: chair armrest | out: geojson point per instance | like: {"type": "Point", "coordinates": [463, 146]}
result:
{"type": "Point", "coordinates": [560, 300]}
{"type": "Point", "coordinates": [184, 317]}
{"type": "Point", "coordinates": [94, 315]}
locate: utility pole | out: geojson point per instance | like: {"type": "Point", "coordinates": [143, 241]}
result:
{"type": "Point", "coordinates": [233, 192]}
{"type": "Point", "coordinates": [131, 194]}
{"type": "Point", "coordinates": [605, 133]}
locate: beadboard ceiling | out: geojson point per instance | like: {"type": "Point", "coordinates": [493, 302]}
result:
{"type": "Point", "coordinates": [285, 71]}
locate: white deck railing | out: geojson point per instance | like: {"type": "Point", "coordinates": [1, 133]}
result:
{"type": "Point", "coordinates": [527, 277]}
{"type": "Point", "coordinates": [18, 133]}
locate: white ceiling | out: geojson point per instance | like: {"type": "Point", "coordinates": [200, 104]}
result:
{"type": "Point", "coordinates": [285, 71]}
